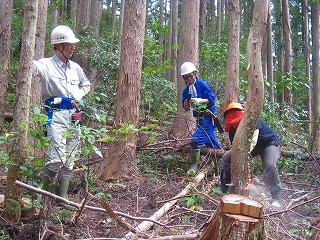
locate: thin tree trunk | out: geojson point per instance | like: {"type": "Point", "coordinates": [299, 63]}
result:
{"type": "Point", "coordinates": [270, 58]}
{"type": "Point", "coordinates": [123, 3]}
{"type": "Point", "coordinates": [83, 20]}
{"type": "Point", "coordinates": [13, 193]}
{"type": "Point", "coordinates": [39, 50]}
{"type": "Point", "coordinates": [171, 74]}
{"type": "Point", "coordinates": [219, 20]}
{"type": "Point", "coordinates": [288, 49]}
{"type": "Point", "coordinates": [307, 59]}
{"type": "Point", "coordinates": [233, 57]}
{"type": "Point", "coordinates": [316, 73]}
{"type": "Point", "coordinates": [161, 35]}
{"type": "Point", "coordinates": [114, 20]}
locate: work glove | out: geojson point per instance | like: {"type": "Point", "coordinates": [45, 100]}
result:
{"type": "Point", "coordinates": [197, 100]}
{"type": "Point", "coordinates": [254, 139]}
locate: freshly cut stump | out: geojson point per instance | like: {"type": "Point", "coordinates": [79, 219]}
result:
{"type": "Point", "coordinates": [237, 218]}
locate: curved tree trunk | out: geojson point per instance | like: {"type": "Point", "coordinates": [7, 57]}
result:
{"type": "Point", "coordinates": [240, 148]}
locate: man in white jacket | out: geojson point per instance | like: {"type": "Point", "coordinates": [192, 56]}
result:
{"type": "Point", "coordinates": [63, 84]}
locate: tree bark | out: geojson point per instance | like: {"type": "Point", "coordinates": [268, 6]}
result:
{"type": "Point", "coordinates": [121, 162]}
{"type": "Point", "coordinates": [83, 20]}
{"type": "Point", "coordinates": [39, 50]}
{"type": "Point", "coordinates": [18, 151]}
{"type": "Point", "coordinates": [307, 59]}
{"type": "Point", "coordinates": [243, 136]}
{"type": "Point", "coordinates": [188, 52]}
{"type": "Point", "coordinates": [316, 74]}
{"type": "Point", "coordinates": [172, 53]}
{"type": "Point", "coordinates": [6, 8]}
{"type": "Point", "coordinates": [270, 59]}
{"type": "Point", "coordinates": [237, 217]}
{"type": "Point", "coordinates": [233, 57]}
{"type": "Point", "coordinates": [287, 48]}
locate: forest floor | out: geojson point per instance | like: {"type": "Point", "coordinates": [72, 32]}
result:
{"type": "Point", "coordinates": [162, 179]}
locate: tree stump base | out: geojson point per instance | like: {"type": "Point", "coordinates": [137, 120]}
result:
{"type": "Point", "coordinates": [237, 217]}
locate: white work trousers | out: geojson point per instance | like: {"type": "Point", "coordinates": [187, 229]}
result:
{"type": "Point", "coordinates": [64, 140]}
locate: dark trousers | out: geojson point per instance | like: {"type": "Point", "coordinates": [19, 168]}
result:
{"type": "Point", "coordinates": [269, 156]}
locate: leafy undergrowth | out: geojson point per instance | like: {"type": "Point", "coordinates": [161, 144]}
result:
{"type": "Point", "coordinates": [163, 178]}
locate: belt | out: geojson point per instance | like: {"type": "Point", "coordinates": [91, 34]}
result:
{"type": "Point", "coordinates": [57, 103]}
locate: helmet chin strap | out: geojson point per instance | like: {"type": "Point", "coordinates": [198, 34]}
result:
{"type": "Point", "coordinates": [63, 46]}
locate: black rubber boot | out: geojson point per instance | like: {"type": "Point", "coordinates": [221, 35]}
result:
{"type": "Point", "coordinates": [225, 178]}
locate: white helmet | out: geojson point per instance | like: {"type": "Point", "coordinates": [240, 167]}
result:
{"type": "Point", "coordinates": [63, 34]}
{"type": "Point", "coordinates": [187, 67]}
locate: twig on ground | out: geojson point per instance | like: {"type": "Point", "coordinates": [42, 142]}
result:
{"type": "Point", "coordinates": [289, 209]}
{"type": "Point", "coordinates": [166, 207]}
{"type": "Point", "coordinates": [83, 202]}
{"type": "Point", "coordinates": [38, 190]}
{"type": "Point", "coordinates": [119, 220]}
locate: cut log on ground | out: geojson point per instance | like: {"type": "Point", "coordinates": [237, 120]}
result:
{"type": "Point", "coordinates": [237, 217]}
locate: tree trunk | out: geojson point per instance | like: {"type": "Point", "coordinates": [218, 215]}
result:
{"type": "Point", "coordinates": [316, 74]}
{"type": "Point", "coordinates": [219, 20]}
{"type": "Point", "coordinates": [18, 151]}
{"type": "Point", "coordinates": [237, 218]}
{"type": "Point", "coordinates": [172, 53]}
{"type": "Point", "coordinates": [6, 8]}
{"type": "Point", "coordinates": [83, 19]}
{"type": "Point", "coordinates": [95, 23]}
{"type": "Point", "coordinates": [288, 49]}
{"type": "Point", "coordinates": [240, 148]}
{"type": "Point", "coordinates": [123, 3]}
{"type": "Point", "coordinates": [270, 58]}
{"type": "Point", "coordinates": [39, 50]}
{"type": "Point", "coordinates": [121, 162]}
{"type": "Point", "coordinates": [203, 20]}
{"type": "Point", "coordinates": [233, 57]}
{"type": "Point", "coordinates": [188, 52]}
{"type": "Point", "coordinates": [307, 59]}
{"type": "Point", "coordinates": [114, 20]}
{"type": "Point", "coordinates": [161, 35]}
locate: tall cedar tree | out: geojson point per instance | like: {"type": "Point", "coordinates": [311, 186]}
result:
{"type": "Point", "coordinates": [121, 162]}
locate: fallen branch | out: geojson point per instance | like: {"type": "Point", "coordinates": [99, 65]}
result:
{"type": "Point", "coordinates": [166, 207]}
{"type": "Point", "coordinates": [83, 203]}
{"type": "Point", "coordinates": [56, 197]}
{"type": "Point", "coordinates": [179, 237]}
{"type": "Point", "coordinates": [289, 209]}
{"type": "Point", "coordinates": [119, 220]}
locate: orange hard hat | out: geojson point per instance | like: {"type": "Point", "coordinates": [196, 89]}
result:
{"type": "Point", "coordinates": [233, 115]}
{"type": "Point", "coordinates": [233, 106]}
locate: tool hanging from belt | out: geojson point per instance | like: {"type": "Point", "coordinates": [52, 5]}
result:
{"type": "Point", "coordinates": [77, 116]}
{"type": "Point", "coordinates": [61, 103]}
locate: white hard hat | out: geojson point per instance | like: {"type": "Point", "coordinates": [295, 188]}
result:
{"type": "Point", "coordinates": [187, 67]}
{"type": "Point", "coordinates": [63, 34]}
